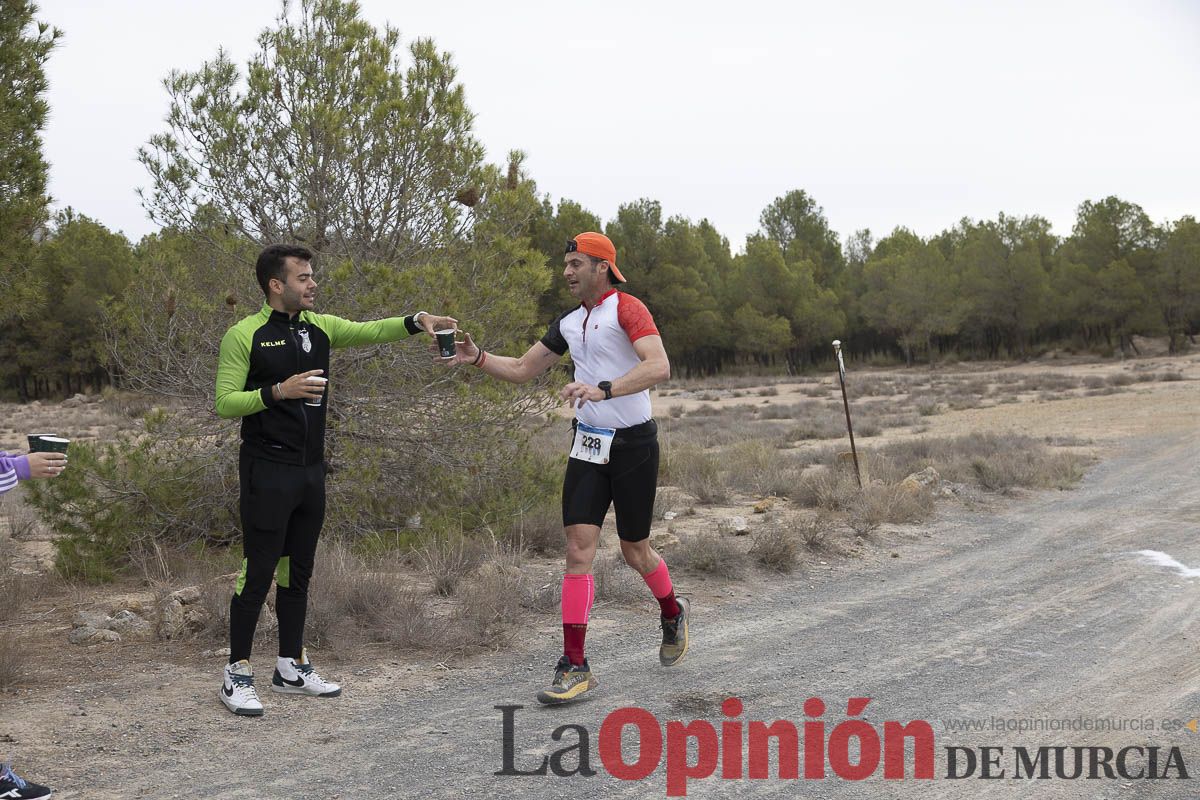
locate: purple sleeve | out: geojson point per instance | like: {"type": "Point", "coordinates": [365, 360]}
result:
{"type": "Point", "coordinates": [19, 463]}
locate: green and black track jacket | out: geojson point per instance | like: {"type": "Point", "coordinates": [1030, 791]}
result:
{"type": "Point", "coordinates": [269, 347]}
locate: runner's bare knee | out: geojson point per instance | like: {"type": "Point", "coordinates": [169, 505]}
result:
{"type": "Point", "coordinates": [581, 547]}
{"type": "Point", "coordinates": [640, 555]}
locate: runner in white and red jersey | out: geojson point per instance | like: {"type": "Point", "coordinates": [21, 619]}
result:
{"type": "Point", "coordinates": [618, 357]}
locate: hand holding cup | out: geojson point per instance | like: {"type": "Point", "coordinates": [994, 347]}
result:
{"type": "Point", "coordinates": [46, 465]}
{"type": "Point", "coordinates": [432, 323]}
{"type": "Point", "coordinates": [465, 351]}
{"type": "Point", "coordinates": [299, 387]}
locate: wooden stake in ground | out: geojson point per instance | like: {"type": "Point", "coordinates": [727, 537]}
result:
{"type": "Point", "coordinates": [837, 348]}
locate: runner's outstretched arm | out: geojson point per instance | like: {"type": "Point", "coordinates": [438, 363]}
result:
{"type": "Point", "coordinates": [537, 359]}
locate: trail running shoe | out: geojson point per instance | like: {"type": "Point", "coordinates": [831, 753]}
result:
{"type": "Point", "coordinates": [297, 676]}
{"type": "Point", "coordinates": [237, 690]}
{"type": "Point", "coordinates": [570, 683]}
{"type": "Point", "coordinates": [675, 635]}
{"type": "Point", "coordinates": [13, 788]}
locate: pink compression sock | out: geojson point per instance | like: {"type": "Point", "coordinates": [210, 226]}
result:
{"type": "Point", "coordinates": [578, 591]}
{"type": "Point", "coordinates": [659, 581]}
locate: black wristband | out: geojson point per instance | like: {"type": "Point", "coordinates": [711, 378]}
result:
{"type": "Point", "coordinates": [411, 325]}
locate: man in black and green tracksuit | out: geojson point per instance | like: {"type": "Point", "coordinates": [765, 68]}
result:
{"type": "Point", "coordinates": [270, 374]}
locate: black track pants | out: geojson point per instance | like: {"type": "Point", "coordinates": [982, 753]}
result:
{"type": "Point", "coordinates": [282, 507]}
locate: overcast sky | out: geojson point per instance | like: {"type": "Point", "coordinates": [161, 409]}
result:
{"type": "Point", "coordinates": [910, 113]}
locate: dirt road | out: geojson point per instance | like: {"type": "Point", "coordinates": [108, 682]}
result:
{"type": "Point", "coordinates": [1033, 609]}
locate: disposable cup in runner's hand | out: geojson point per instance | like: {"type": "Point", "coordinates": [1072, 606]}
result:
{"type": "Point", "coordinates": [445, 340]}
{"type": "Point", "coordinates": [324, 385]}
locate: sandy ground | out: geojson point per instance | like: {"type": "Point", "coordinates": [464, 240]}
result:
{"type": "Point", "coordinates": [1021, 607]}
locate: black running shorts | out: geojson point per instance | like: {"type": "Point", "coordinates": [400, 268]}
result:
{"type": "Point", "coordinates": [628, 482]}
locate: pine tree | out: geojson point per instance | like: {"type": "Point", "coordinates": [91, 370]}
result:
{"type": "Point", "coordinates": [25, 44]}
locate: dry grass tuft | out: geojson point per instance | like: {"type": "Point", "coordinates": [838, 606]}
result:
{"type": "Point", "coordinates": [792, 411]}
{"type": "Point", "coordinates": [994, 461]}
{"type": "Point", "coordinates": [130, 404]}
{"type": "Point", "coordinates": [712, 554]}
{"type": "Point", "coordinates": [490, 602]}
{"type": "Point", "coordinates": [544, 598]}
{"type": "Point", "coordinates": [539, 531]}
{"type": "Point", "coordinates": [13, 662]}
{"type": "Point", "coordinates": [16, 591]}
{"type": "Point", "coordinates": [1048, 382]}
{"type": "Point", "coordinates": [816, 533]}
{"type": "Point", "coordinates": [415, 627]}
{"type": "Point", "coordinates": [352, 598]}
{"type": "Point", "coordinates": [214, 600]}
{"type": "Point", "coordinates": [615, 580]}
{"type": "Point", "coordinates": [879, 504]}
{"type": "Point", "coordinates": [696, 471]}
{"type": "Point", "coordinates": [829, 489]}
{"type": "Point", "coordinates": [776, 548]}
{"type": "Point", "coordinates": [22, 519]}
{"type": "Point", "coordinates": [445, 559]}
{"type": "Point", "coordinates": [365, 600]}
{"type": "Point", "coordinates": [668, 498]}
{"type": "Point", "coordinates": [826, 426]}
{"type": "Point", "coordinates": [757, 467]}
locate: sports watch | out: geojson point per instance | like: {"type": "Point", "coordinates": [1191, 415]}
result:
{"type": "Point", "coordinates": [606, 387]}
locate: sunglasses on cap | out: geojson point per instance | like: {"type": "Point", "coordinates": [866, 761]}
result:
{"type": "Point", "coordinates": [573, 247]}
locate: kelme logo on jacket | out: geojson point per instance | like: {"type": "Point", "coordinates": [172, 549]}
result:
{"type": "Point", "coordinates": [279, 343]}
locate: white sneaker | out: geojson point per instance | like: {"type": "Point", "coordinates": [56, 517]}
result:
{"type": "Point", "coordinates": [237, 691]}
{"type": "Point", "coordinates": [297, 676]}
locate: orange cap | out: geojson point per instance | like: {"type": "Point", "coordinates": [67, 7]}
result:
{"type": "Point", "coordinates": [599, 246]}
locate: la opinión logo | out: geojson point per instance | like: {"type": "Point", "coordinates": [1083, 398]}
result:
{"type": "Point", "coordinates": [853, 750]}
{"type": "Point", "coordinates": [741, 749]}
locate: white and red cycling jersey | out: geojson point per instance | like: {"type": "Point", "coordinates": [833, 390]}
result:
{"type": "Point", "coordinates": [601, 343]}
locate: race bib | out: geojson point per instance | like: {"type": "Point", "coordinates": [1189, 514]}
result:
{"type": "Point", "coordinates": [592, 444]}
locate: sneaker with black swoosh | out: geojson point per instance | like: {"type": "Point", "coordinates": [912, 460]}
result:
{"type": "Point", "coordinates": [237, 691]}
{"type": "Point", "coordinates": [297, 676]}
{"type": "Point", "coordinates": [14, 788]}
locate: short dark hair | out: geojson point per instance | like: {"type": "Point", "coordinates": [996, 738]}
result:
{"type": "Point", "coordinates": [594, 260]}
{"type": "Point", "coordinates": [272, 263]}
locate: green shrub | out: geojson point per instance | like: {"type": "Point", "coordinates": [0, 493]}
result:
{"type": "Point", "coordinates": [178, 485]}
{"type": "Point", "coordinates": [118, 499]}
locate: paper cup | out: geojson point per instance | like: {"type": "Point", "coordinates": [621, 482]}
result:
{"type": "Point", "coordinates": [49, 444]}
{"type": "Point", "coordinates": [445, 340]}
{"type": "Point", "coordinates": [33, 439]}
{"type": "Point", "coordinates": [321, 399]}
